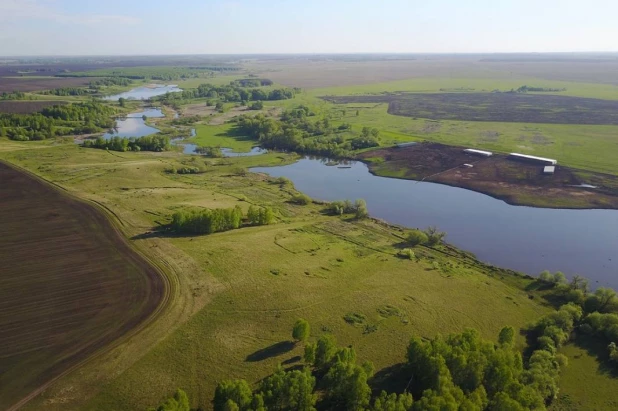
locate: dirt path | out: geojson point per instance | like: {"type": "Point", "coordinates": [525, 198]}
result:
{"type": "Point", "coordinates": [71, 286]}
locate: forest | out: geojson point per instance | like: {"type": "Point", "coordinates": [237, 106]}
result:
{"type": "Point", "coordinates": [233, 92]}
{"type": "Point", "coordinates": [297, 132]}
{"type": "Point", "coordinates": [77, 118]}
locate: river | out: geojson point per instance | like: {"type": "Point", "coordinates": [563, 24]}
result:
{"type": "Point", "coordinates": [525, 239]}
{"type": "Point", "coordinates": [144, 93]}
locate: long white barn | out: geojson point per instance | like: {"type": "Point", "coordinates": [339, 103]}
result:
{"type": "Point", "coordinates": [534, 158]}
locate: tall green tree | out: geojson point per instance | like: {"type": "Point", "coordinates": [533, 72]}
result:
{"type": "Point", "coordinates": [301, 330]}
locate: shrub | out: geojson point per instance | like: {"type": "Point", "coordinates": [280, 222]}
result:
{"type": "Point", "coordinates": [417, 237]}
{"type": "Point", "coordinates": [301, 199]}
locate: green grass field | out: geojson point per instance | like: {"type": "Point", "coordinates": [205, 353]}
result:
{"type": "Point", "coordinates": [241, 291]}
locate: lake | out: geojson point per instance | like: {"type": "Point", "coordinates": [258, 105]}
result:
{"type": "Point", "coordinates": [525, 239]}
{"type": "Point", "coordinates": [144, 93]}
{"type": "Point", "coordinates": [133, 125]}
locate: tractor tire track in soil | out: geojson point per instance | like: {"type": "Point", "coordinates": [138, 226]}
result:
{"type": "Point", "coordinates": [70, 285]}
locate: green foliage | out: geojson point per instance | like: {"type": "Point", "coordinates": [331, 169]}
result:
{"type": "Point", "coordinates": [603, 300]}
{"type": "Point", "coordinates": [147, 143]}
{"type": "Point", "coordinates": [407, 254]}
{"type": "Point", "coordinates": [301, 330]}
{"type": "Point", "coordinates": [179, 402]}
{"type": "Point", "coordinates": [232, 93]}
{"type": "Point", "coordinates": [78, 118]}
{"type": "Point", "coordinates": [465, 371]}
{"type": "Point", "coordinates": [206, 221]}
{"type": "Point", "coordinates": [347, 386]}
{"type": "Point", "coordinates": [417, 237]}
{"type": "Point", "coordinates": [257, 105]}
{"type": "Point", "coordinates": [232, 393]}
{"type": "Point", "coordinates": [292, 390]}
{"type": "Point", "coordinates": [392, 402]}
{"type": "Point", "coordinates": [301, 199]}
{"type": "Point", "coordinates": [434, 236]}
{"type": "Point", "coordinates": [604, 325]}
{"type": "Point", "coordinates": [358, 208]}
{"type": "Point", "coordinates": [506, 336]}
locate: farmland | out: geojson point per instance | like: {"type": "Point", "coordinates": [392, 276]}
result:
{"type": "Point", "coordinates": [27, 107]}
{"type": "Point", "coordinates": [234, 295]}
{"type": "Point", "coordinates": [497, 107]}
{"type": "Point", "coordinates": [70, 285]}
{"type": "Point", "coordinates": [341, 267]}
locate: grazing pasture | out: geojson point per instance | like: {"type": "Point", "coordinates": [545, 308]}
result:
{"type": "Point", "coordinates": [496, 107]}
{"type": "Point", "coordinates": [70, 285]}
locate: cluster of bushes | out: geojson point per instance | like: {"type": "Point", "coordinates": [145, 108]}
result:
{"type": "Point", "coordinates": [207, 221]}
{"type": "Point", "coordinates": [110, 81]}
{"type": "Point", "coordinates": [457, 372]}
{"type": "Point", "coordinates": [301, 199]}
{"type": "Point", "coordinates": [184, 170]}
{"type": "Point", "coordinates": [599, 309]}
{"type": "Point", "coordinates": [146, 143]}
{"type": "Point", "coordinates": [358, 208]}
{"type": "Point", "coordinates": [77, 118]}
{"type": "Point", "coordinates": [297, 131]}
{"type": "Point", "coordinates": [230, 93]}
{"type": "Point", "coordinates": [431, 237]}
{"type": "Point", "coordinates": [15, 95]}
{"type": "Point", "coordinates": [67, 91]}
{"type": "Point", "coordinates": [212, 152]}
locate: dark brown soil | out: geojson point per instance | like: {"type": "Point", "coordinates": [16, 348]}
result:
{"type": "Point", "coordinates": [515, 182]}
{"type": "Point", "coordinates": [27, 107]}
{"type": "Point", "coordinates": [496, 107]}
{"type": "Point", "coordinates": [70, 284]}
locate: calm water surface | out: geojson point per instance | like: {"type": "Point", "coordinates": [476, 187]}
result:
{"type": "Point", "coordinates": [134, 126]}
{"type": "Point", "coordinates": [521, 238]}
{"type": "Point", "coordinates": [144, 93]}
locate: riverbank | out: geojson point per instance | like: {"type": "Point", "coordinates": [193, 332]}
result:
{"type": "Point", "coordinates": [515, 182]}
{"type": "Point", "coordinates": [239, 288]}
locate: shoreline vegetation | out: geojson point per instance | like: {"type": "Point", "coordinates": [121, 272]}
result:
{"type": "Point", "coordinates": [244, 256]}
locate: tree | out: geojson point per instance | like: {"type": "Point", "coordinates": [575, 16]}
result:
{"type": "Point", "coordinates": [506, 336]}
{"type": "Point", "coordinates": [361, 209]}
{"type": "Point", "coordinates": [603, 300]}
{"type": "Point", "coordinates": [559, 278]}
{"type": "Point", "coordinates": [325, 349]}
{"type": "Point", "coordinates": [301, 330]}
{"type": "Point", "coordinates": [417, 237]}
{"type": "Point", "coordinates": [237, 391]}
{"type": "Point", "coordinates": [122, 101]}
{"type": "Point", "coordinates": [546, 277]}
{"type": "Point", "coordinates": [179, 402]}
{"type": "Point", "coordinates": [434, 236]}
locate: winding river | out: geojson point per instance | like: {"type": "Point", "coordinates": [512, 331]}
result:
{"type": "Point", "coordinates": [526, 239]}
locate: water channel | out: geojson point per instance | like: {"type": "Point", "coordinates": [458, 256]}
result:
{"type": "Point", "coordinates": [526, 239]}
{"type": "Point", "coordinates": [145, 92]}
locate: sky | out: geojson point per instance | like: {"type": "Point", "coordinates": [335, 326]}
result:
{"type": "Point", "coordinates": [137, 27]}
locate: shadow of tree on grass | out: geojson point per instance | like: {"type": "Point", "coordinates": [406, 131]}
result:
{"type": "Point", "coordinates": [271, 351]}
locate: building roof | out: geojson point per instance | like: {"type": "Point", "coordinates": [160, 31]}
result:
{"type": "Point", "coordinates": [549, 169]}
{"type": "Point", "coordinates": [481, 152]}
{"type": "Point", "coordinates": [543, 159]}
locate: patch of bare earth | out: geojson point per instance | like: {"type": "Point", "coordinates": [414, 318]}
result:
{"type": "Point", "coordinates": [516, 182]}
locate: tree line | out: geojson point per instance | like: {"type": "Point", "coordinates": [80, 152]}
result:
{"type": "Point", "coordinates": [77, 118]}
{"type": "Point", "coordinates": [147, 143]}
{"type": "Point", "coordinates": [461, 371]}
{"type": "Point", "coordinates": [209, 221]}
{"type": "Point", "coordinates": [229, 93]}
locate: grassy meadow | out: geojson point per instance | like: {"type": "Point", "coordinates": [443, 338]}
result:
{"type": "Point", "coordinates": [239, 292]}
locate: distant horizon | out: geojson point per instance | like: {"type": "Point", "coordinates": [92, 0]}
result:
{"type": "Point", "coordinates": [256, 27]}
{"type": "Point", "coordinates": [361, 53]}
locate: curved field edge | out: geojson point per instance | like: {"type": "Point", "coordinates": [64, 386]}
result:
{"type": "Point", "coordinates": [158, 295]}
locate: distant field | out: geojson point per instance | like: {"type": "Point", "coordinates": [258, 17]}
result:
{"type": "Point", "coordinates": [69, 285]}
{"type": "Point", "coordinates": [497, 107]}
{"type": "Point", "coordinates": [8, 84]}
{"type": "Point", "coordinates": [25, 107]}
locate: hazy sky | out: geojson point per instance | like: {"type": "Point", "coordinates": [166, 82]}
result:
{"type": "Point", "coordinates": [72, 27]}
